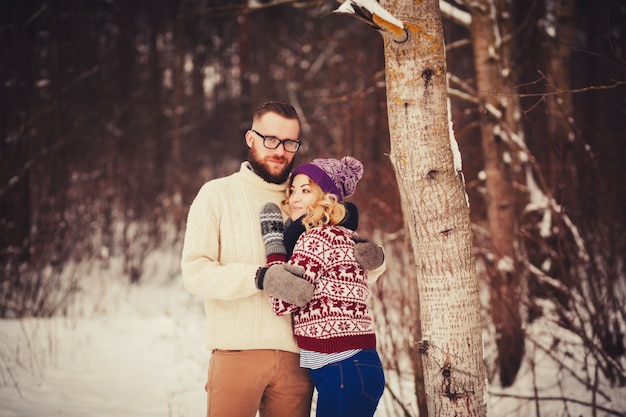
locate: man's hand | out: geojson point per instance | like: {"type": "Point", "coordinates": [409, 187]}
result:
{"type": "Point", "coordinates": [367, 253]}
{"type": "Point", "coordinates": [285, 281]}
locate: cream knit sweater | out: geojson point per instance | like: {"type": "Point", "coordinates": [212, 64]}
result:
{"type": "Point", "coordinates": [222, 250]}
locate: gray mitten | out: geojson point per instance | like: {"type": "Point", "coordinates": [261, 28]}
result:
{"type": "Point", "coordinates": [367, 253]}
{"type": "Point", "coordinates": [285, 281]}
{"type": "Point", "coordinates": [272, 229]}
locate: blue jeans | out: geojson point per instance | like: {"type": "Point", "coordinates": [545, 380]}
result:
{"type": "Point", "coordinates": [351, 387]}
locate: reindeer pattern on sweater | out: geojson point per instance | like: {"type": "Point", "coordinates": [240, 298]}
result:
{"type": "Point", "coordinates": [337, 318]}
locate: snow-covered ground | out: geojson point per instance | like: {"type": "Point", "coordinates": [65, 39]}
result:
{"type": "Point", "coordinates": [137, 350]}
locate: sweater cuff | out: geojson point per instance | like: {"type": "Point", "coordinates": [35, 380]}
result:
{"type": "Point", "coordinates": [260, 275]}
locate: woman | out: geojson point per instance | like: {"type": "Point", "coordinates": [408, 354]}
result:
{"type": "Point", "coordinates": [334, 329]}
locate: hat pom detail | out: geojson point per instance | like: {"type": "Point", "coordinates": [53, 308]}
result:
{"type": "Point", "coordinates": [350, 173]}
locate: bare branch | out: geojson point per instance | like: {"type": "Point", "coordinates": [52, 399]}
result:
{"type": "Point", "coordinates": [566, 399]}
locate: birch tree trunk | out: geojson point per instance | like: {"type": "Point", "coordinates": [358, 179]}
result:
{"type": "Point", "coordinates": [437, 212]}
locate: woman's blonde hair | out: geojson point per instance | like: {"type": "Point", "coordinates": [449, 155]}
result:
{"type": "Point", "coordinates": [326, 209]}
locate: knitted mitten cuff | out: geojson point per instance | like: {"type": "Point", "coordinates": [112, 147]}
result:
{"type": "Point", "coordinates": [272, 229]}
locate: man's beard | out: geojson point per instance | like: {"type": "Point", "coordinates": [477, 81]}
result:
{"type": "Point", "coordinates": [259, 167]}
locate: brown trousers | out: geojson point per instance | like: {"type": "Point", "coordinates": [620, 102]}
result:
{"type": "Point", "coordinates": [240, 382]}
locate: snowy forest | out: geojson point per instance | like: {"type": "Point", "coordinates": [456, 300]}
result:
{"type": "Point", "coordinates": [113, 113]}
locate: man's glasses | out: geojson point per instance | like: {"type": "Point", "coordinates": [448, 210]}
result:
{"type": "Point", "coordinates": [270, 142]}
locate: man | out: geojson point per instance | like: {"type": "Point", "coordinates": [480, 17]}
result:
{"type": "Point", "coordinates": [255, 362]}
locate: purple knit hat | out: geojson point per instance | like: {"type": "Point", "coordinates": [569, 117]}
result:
{"type": "Point", "coordinates": [333, 176]}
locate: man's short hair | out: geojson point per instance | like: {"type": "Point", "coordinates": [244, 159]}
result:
{"type": "Point", "coordinates": [281, 108]}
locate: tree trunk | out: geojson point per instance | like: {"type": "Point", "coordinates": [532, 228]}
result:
{"type": "Point", "coordinates": [175, 180]}
{"type": "Point", "coordinates": [156, 106]}
{"type": "Point", "coordinates": [437, 212]}
{"type": "Point", "coordinates": [500, 154]}
{"type": "Point", "coordinates": [560, 107]}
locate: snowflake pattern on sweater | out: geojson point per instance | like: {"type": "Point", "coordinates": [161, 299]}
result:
{"type": "Point", "coordinates": [337, 317]}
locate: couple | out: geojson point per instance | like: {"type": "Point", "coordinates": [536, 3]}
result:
{"type": "Point", "coordinates": [310, 274]}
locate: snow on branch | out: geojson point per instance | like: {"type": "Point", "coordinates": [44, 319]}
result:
{"type": "Point", "coordinates": [456, 15]}
{"type": "Point", "coordinates": [376, 16]}
{"type": "Point", "coordinates": [540, 202]}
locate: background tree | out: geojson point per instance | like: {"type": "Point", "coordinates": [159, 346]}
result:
{"type": "Point", "coordinates": [500, 139]}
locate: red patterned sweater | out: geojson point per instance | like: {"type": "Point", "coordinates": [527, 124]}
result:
{"type": "Point", "coordinates": [337, 317]}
